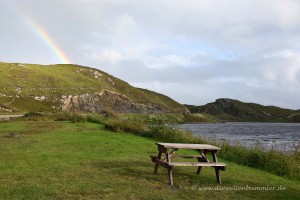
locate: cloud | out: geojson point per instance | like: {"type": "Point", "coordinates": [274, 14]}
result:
{"type": "Point", "coordinates": [194, 51]}
{"type": "Point", "coordinates": [109, 57]}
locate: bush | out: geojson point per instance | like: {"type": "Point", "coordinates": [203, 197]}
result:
{"type": "Point", "coordinates": [273, 161]}
{"type": "Point", "coordinates": [62, 117]}
{"type": "Point", "coordinates": [74, 117]}
{"type": "Point", "coordinates": [97, 119]}
{"type": "Point", "coordinates": [126, 126]}
{"type": "Point", "coordinates": [33, 114]}
{"type": "Point", "coordinates": [169, 118]}
{"type": "Point", "coordinates": [170, 134]}
{"type": "Point", "coordinates": [110, 114]}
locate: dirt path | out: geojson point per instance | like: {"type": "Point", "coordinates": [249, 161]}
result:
{"type": "Point", "coordinates": [9, 116]}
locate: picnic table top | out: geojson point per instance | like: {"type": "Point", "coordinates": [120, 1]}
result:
{"type": "Point", "coordinates": [188, 146]}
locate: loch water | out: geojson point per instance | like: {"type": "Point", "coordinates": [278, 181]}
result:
{"type": "Point", "coordinates": [279, 136]}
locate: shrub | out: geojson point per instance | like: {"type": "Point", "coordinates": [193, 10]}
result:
{"type": "Point", "coordinates": [73, 117]}
{"type": "Point", "coordinates": [273, 161]}
{"type": "Point", "coordinates": [61, 117]}
{"type": "Point", "coordinates": [161, 119]}
{"type": "Point", "coordinates": [33, 114]}
{"type": "Point", "coordinates": [109, 113]}
{"type": "Point", "coordinates": [170, 134]}
{"type": "Point", "coordinates": [97, 119]}
{"type": "Point", "coordinates": [126, 126]}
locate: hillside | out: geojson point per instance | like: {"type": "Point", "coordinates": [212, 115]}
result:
{"type": "Point", "coordinates": [51, 88]}
{"type": "Point", "coordinates": [234, 110]}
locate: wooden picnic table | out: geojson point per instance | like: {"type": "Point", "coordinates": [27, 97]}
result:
{"type": "Point", "coordinates": [169, 150]}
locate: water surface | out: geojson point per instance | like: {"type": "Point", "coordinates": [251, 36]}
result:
{"type": "Point", "coordinates": [281, 136]}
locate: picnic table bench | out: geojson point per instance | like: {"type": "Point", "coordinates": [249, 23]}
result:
{"type": "Point", "coordinates": [169, 150]}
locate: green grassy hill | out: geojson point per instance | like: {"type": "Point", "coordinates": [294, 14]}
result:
{"type": "Point", "coordinates": [48, 88]}
{"type": "Point", "coordinates": [63, 160]}
{"type": "Point", "coordinates": [234, 110]}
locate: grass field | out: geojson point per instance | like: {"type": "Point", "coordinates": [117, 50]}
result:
{"type": "Point", "coordinates": [63, 160]}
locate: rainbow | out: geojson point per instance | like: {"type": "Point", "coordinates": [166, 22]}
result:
{"type": "Point", "coordinates": [38, 30]}
{"type": "Point", "coordinates": [47, 39]}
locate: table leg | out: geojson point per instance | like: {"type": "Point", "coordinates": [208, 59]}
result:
{"type": "Point", "coordinates": [171, 154]}
{"type": "Point", "coordinates": [202, 159]}
{"type": "Point", "coordinates": [199, 169]}
{"type": "Point", "coordinates": [170, 176]}
{"type": "Point", "coordinates": [170, 168]}
{"type": "Point", "coordinates": [218, 175]}
{"type": "Point", "coordinates": [217, 170]}
{"type": "Point", "coordinates": [157, 165]}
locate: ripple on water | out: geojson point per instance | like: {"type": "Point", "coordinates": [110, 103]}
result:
{"type": "Point", "coordinates": [280, 136]}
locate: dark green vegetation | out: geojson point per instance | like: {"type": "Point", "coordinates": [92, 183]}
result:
{"type": "Point", "coordinates": [234, 110]}
{"type": "Point", "coordinates": [47, 88]}
{"type": "Point", "coordinates": [63, 160]}
{"type": "Point", "coordinates": [170, 118]}
{"type": "Point", "coordinates": [294, 117]}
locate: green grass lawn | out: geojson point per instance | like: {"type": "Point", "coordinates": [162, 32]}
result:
{"type": "Point", "coordinates": [63, 160]}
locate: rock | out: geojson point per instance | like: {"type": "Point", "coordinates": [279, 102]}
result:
{"type": "Point", "coordinates": [107, 100]}
{"type": "Point", "coordinates": [5, 109]}
{"type": "Point", "coordinates": [39, 98]}
{"type": "Point", "coordinates": [265, 113]}
{"type": "Point", "coordinates": [111, 81]}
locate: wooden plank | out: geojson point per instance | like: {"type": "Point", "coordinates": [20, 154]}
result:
{"type": "Point", "coordinates": [162, 149]}
{"type": "Point", "coordinates": [157, 165]}
{"type": "Point", "coordinates": [188, 146]}
{"type": "Point", "coordinates": [160, 162]}
{"type": "Point", "coordinates": [168, 157]}
{"type": "Point", "coordinates": [170, 176]}
{"type": "Point", "coordinates": [203, 164]}
{"type": "Point", "coordinates": [203, 159]}
{"type": "Point", "coordinates": [199, 170]}
{"type": "Point", "coordinates": [171, 154]}
{"type": "Point", "coordinates": [214, 157]}
{"type": "Point", "coordinates": [217, 169]}
{"type": "Point", "coordinates": [187, 156]}
{"type": "Point", "coordinates": [218, 176]}
{"type": "Point", "coordinates": [200, 159]}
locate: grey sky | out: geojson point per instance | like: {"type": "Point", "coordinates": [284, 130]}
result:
{"type": "Point", "coordinates": [194, 51]}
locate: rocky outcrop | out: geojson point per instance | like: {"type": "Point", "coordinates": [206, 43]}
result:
{"type": "Point", "coordinates": [228, 106]}
{"type": "Point", "coordinates": [5, 109]}
{"type": "Point", "coordinates": [106, 100]}
{"type": "Point", "coordinates": [76, 88]}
